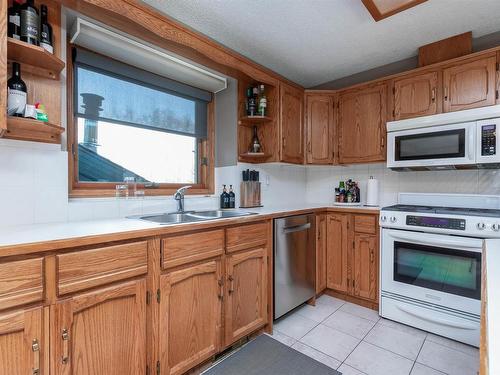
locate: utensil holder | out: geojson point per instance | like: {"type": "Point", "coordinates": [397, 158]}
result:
{"type": "Point", "coordinates": [250, 194]}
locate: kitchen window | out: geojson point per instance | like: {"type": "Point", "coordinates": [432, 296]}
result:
{"type": "Point", "coordinates": [127, 123]}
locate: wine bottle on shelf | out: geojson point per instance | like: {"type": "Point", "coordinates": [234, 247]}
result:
{"type": "Point", "coordinates": [14, 26]}
{"type": "Point", "coordinates": [262, 101]}
{"type": "Point", "coordinates": [16, 92]}
{"type": "Point", "coordinates": [252, 103]}
{"type": "Point", "coordinates": [45, 31]}
{"type": "Point", "coordinates": [29, 23]}
{"type": "Point", "coordinates": [256, 146]}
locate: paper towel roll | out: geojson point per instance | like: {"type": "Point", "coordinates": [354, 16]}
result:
{"type": "Point", "coordinates": [372, 192]}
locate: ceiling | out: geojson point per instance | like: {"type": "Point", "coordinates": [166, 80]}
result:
{"type": "Point", "coordinates": [316, 41]}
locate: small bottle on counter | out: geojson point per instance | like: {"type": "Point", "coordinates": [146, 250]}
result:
{"type": "Point", "coordinates": [224, 198]}
{"type": "Point", "coordinates": [337, 194]}
{"type": "Point", "coordinates": [232, 197]}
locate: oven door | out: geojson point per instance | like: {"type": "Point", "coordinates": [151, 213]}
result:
{"type": "Point", "coordinates": [432, 146]}
{"type": "Point", "coordinates": [433, 268]}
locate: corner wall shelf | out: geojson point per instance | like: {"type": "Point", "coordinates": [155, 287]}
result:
{"type": "Point", "coordinates": [35, 56]}
{"type": "Point", "coordinates": [252, 121]}
{"type": "Point", "coordinates": [27, 129]}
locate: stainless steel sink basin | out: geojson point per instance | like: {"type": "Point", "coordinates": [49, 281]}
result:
{"type": "Point", "coordinates": [191, 216]}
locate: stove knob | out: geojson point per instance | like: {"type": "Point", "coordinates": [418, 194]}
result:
{"type": "Point", "coordinates": [383, 219]}
{"type": "Point", "coordinates": [495, 227]}
{"type": "Point", "coordinates": [393, 219]}
{"type": "Point", "coordinates": [481, 226]}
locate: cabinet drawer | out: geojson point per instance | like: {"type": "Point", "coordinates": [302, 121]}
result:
{"type": "Point", "coordinates": [21, 282]}
{"type": "Point", "coordinates": [191, 247]}
{"type": "Point", "coordinates": [85, 269]}
{"type": "Point", "coordinates": [365, 224]}
{"type": "Point", "coordinates": [246, 236]}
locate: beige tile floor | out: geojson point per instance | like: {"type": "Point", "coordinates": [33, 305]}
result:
{"type": "Point", "coordinates": [356, 341]}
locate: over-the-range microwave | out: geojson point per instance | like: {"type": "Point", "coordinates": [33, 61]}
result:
{"type": "Point", "coordinates": [460, 140]}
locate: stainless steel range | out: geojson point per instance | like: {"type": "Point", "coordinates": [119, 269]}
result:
{"type": "Point", "coordinates": [431, 247]}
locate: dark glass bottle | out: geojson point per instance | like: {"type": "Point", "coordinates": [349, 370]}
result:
{"type": "Point", "coordinates": [14, 27]}
{"type": "Point", "coordinates": [45, 31]}
{"type": "Point", "coordinates": [29, 23]}
{"type": "Point", "coordinates": [224, 198]}
{"type": "Point", "coordinates": [232, 197]}
{"type": "Point", "coordinates": [256, 146]}
{"type": "Point", "coordinates": [251, 102]}
{"type": "Point", "coordinates": [16, 92]}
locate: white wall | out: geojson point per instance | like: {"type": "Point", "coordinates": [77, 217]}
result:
{"type": "Point", "coordinates": [34, 188]}
{"type": "Point", "coordinates": [321, 182]}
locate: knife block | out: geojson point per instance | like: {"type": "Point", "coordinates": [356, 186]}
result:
{"type": "Point", "coordinates": [250, 194]}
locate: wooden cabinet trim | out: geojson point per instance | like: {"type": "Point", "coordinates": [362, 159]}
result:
{"type": "Point", "coordinates": [21, 282]}
{"type": "Point", "coordinates": [246, 236]}
{"type": "Point", "coordinates": [365, 266]}
{"type": "Point", "coordinates": [86, 269]}
{"type": "Point", "coordinates": [291, 124]}
{"type": "Point", "coordinates": [365, 224]}
{"type": "Point", "coordinates": [191, 247]}
{"type": "Point", "coordinates": [416, 90]}
{"type": "Point", "coordinates": [320, 148]}
{"type": "Point", "coordinates": [337, 252]}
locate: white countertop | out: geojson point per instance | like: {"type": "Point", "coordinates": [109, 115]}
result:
{"type": "Point", "coordinates": [37, 233]}
{"type": "Point", "coordinates": [493, 305]}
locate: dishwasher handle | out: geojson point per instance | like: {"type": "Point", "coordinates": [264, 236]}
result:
{"type": "Point", "coordinates": [296, 228]}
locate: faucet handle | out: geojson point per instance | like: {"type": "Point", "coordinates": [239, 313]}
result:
{"type": "Point", "coordinates": [180, 192]}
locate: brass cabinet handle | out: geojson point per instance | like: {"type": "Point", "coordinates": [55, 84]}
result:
{"type": "Point", "coordinates": [35, 346]}
{"type": "Point", "coordinates": [231, 285]}
{"type": "Point", "coordinates": [433, 94]}
{"type": "Point", "coordinates": [221, 289]}
{"type": "Point", "coordinates": [309, 147]}
{"type": "Point", "coordinates": [445, 93]}
{"type": "Point", "coordinates": [372, 257]}
{"type": "Point", "coordinates": [65, 338]}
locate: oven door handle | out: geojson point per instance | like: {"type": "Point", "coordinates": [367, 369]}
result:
{"type": "Point", "coordinates": [433, 319]}
{"type": "Point", "coordinates": [461, 243]}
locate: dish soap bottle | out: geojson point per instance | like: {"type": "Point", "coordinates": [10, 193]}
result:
{"type": "Point", "coordinates": [232, 197]}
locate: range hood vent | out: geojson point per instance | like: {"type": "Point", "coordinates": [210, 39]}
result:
{"type": "Point", "coordinates": [128, 50]}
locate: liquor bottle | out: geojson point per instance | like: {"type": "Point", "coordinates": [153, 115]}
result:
{"type": "Point", "coordinates": [256, 146]}
{"type": "Point", "coordinates": [251, 103]}
{"type": "Point", "coordinates": [232, 197]}
{"type": "Point", "coordinates": [14, 27]}
{"type": "Point", "coordinates": [16, 92]}
{"type": "Point", "coordinates": [262, 101]}
{"type": "Point", "coordinates": [29, 23]}
{"type": "Point", "coordinates": [45, 31]}
{"type": "Point", "coordinates": [224, 198]}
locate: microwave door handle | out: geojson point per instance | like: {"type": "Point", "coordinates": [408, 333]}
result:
{"type": "Point", "coordinates": [438, 240]}
{"type": "Point", "coordinates": [433, 319]}
{"type": "Point", "coordinates": [472, 146]}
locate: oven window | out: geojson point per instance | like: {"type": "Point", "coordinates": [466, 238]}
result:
{"type": "Point", "coordinates": [445, 270]}
{"type": "Point", "coordinates": [433, 145]}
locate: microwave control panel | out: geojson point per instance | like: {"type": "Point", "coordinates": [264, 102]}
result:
{"type": "Point", "coordinates": [488, 140]}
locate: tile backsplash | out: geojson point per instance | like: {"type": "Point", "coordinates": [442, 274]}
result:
{"type": "Point", "coordinates": [34, 186]}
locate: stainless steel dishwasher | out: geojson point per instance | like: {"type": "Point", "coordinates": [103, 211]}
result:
{"type": "Point", "coordinates": [294, 262]}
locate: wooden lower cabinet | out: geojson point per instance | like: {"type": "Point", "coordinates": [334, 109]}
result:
{"type": "Point", "coordinates": [101, 332]}
{"type": "Point", "coordinates": [352, 256]}
{"type": "Point", "coordinates": [246, 293]}
{"type": "Point", "coordinates": [337, 250]}
{"type": "Point", "coordinates": [190, 316]}
{"type": "Point", "coordinates": [364, 266]}
{"type": "Point", "coordinates": [21, 342]}
{"type": "Point", "coordinates": [321, 250]}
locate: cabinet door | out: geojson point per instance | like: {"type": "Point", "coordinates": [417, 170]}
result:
{"type": "Point", "coordinates": [469, 85]}
{"type": "Point", "coordinates": [21, 342]}
{"type": "Point", "coordinates": [415, 96]}
{"type": "Point", "coordinates": [319, 129]}
{"type": "Point", "coordinates": [362, 119]}
{"type": "Point", "coordinates": [336, 258]}
{"type": "Point", "coordinates": [292, 129]}
{"type": "Point", "coordinates": [190, 316]}
{"type": "Point", "coordinates": [321, 243]}
{"type": "Point", "coordinates": [246, 304]}
{"type": "Point", "coordinates": [101, 332]}
{"type": "Point", "coordinates": [365, 266]}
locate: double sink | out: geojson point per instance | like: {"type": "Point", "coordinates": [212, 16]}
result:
{"type": "Point", "coordinates": [191, 216]}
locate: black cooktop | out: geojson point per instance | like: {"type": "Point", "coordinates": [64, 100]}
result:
{"type": "Point", "coordinates": [444, 210]}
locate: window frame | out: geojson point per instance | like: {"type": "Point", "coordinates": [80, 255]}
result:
{"type": "Point", "coordinates": [77, 189]}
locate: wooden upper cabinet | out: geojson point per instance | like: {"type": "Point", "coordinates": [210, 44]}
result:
{"type": "Point", "coordinates": [365, 266]}
{"type": "Point", "coordinates": [292, 127]}
{"type": "Point", "coordinates": [319, 129]}
{"type": "Point", "coordinates": [246, 291]}
{"type": "Point", "coordinates": [190, 316]}
{"type": "Point", "coordinates": [321, 246]}
{"type": "Point", "coordinates": [362, 125]}
{"type": "Point", "coordinates": [416, 96]}
{"type": "Point", "coordinates": [470, 85]}
{"type": "Point", "coordinates": [101, 332]}
{"type": "Point", "coordinates": [21, 342]}
{"type": "Point", "coordinates": [336, 253]}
